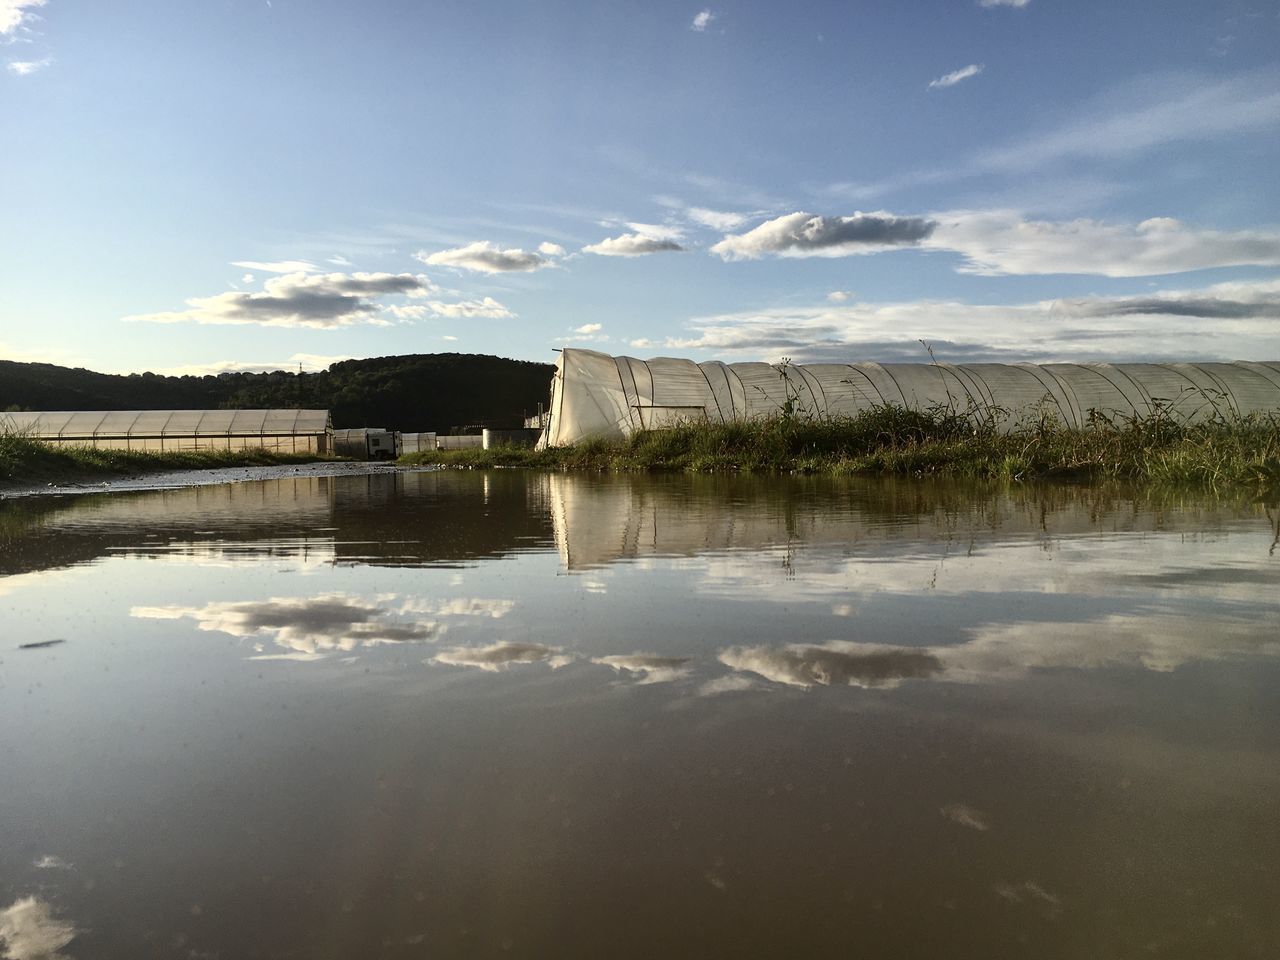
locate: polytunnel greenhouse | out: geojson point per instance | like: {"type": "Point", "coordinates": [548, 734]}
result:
{"type": "Point", "coordinates": [281, 431]}
{"type": "Point", "coordinates": [596, 395]}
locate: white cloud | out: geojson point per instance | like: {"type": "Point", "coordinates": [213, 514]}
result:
{"type": "Point", "coordinates": [23, 68]}
{"type": "Point", "coordinates": [838, 663]}
{"type": "Point", "coordinates": [28, 929]}
{"type": "Point", "coordinates": [702, 21]}
{"type": "Point", "coordinates": [309, 626]}
{"type": "Point", "coordinates": [449, 338]}
{"type": "Point", "coordinates": [648, 667]}
{"type": "Point", "coordinates": [809, 235]}
{"type": "Point", "coordinates": [276, 266]}
{"type": "Point", "coordinates": [486, 307]}
{"type": "Point", "coordinates": [323, 300]}
{"type": "Point", "coordinates": [248, 278]}
{"type": "Point", "coordinates": [1001, 242]}
{"type": "Point", "coordinates": [548, 249]}
{"type": "Point", "coordinates": [1003, 3]}
{"type": "Point", "coordinates": [14, 12]}
{"type": "Point", "coordinates": [716, 219]}
{"type": "Point", "coordinates": [499, 656]}
{"type": "Point", "coordinates": [951, 79]}
{"type": "Point", "coordinates": [485, 257]}
{"type": "Point", "coordinates": [839, 296]}
{"type": "Point", "coordinates": [338, 260]}
{"type": "Point", "coordinates": [642, 342]}
{"type": "Point", "coordinates": [589, 328]}
{"type": "Point", "coordinates": [1222, 321]}
{"type": "Point", "coordinates": [310, 363]}
{"type": "Point", "coordinates": [631, 245]}
{"type": "Point", "coordinates": [494, 609]}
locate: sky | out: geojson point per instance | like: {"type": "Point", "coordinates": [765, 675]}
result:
{"type": "Point", "coordinates": [211, 185]}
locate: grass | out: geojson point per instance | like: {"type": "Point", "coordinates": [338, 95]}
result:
{"type": "Point", "coordinates": [1219, 452]}
{"type": "Point", "coordinates": [24, 459]}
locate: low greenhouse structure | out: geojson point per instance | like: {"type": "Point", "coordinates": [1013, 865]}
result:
{"type": "Point", "coordinates": [597, 395]}
{"type": "Point", "coordinates": [279, 431]}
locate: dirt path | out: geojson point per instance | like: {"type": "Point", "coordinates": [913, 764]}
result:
{"type": "Point", "coordinates": [171, 479]}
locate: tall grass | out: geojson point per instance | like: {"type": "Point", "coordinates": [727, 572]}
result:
{"type": "Point", "coordinates": [1216, 452]}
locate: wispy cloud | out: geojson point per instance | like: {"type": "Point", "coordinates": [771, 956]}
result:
{"type": "Point", "coordinates": [1002, 242]}
{"type": "Point", "coordinates": [955, 76]}
{"type": "Point", "coordinates": [276, 266]}
{"type": "Point", "coordinates": [1221, 321]}
{"type": "Point", "coordinates": [486, 307]}
{"type": "Point", "coordinates": [1142, 115]}
{"type": "Point", "coordinates": [810, 235]}
{"type": "Point", "coordinates": [500, 656]}
{"type": "Point", "coordinates": [13, 13]}
{"type": "Point", "coordinates": [28, 928]}
{"type": "Point", "coordinates": [1003, 3]}
{"type": "Point", "coordinates": [309, 362]}
{"type": "Point", "coordinates": [716, 219]}
{"type": "Point", "coordinates": [24, 68]}
{"type": "Point", "coordinates": [648, 667]}
{"type": "Point", "coordinates": [700, 23]}
{"type": "Point", "coordinates": [486, 257]}
{"type": "Point", "coordinates": [325, 300]}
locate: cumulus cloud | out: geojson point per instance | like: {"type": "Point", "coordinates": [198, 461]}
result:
{"type": "Point", "coordinates": [28, 928]}
{"type": "Point", "coordinates": [308, 627]}
{"type": "Point", "coordinates": [492, 608]}
{"type": "Point", "coordinates": [322, 300]}
{"type": "Point", "coordinates": [276, 266]}
{"type": "Point", "coordinates": [839, 296]}
{"type": "Point", "coordinates": [645, 238]}
{"type": "Point", "coordinates": [1002, 242]}
{"type": "Point", "coordinates": [548, 249]}
{"type": "Point", "coordinates": [650, 668]}
{"type": "Point", "coordinates": [955, 76]}
{"type": "Point", "coordinates": [499, 656]}
{"type": "Point", "coordinates": [23, 68]}
{"type": "Point", "coordinates": [13, 13]}
{"type": "Point", "coordinates": [838, 663]}
{"type": "Point", "coordinates": [485, 257]}
{"type": "Point", "coordinates": [700, 23]}
{"type": "Point", "coordinates": [810, 235]}
{"type": "Point", "coordinates": [1221, 321]}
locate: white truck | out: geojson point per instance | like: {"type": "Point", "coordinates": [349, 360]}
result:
{"type": "Point", "coordinates": [366, 443]}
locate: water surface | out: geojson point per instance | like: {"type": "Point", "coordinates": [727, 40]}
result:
{"type": "Point", "coordinates": [478, 714]}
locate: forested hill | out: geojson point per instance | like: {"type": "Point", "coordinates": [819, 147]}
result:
{"type": "Point", "coordinates": [434, 391]}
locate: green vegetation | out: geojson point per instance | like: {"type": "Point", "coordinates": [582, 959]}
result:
{"type": "Point", "coordinates": [1217, 453]}
{"type": "Point", "coordinates": [25, 460]}
{"type": "Point", "coordinates": [413, 393]}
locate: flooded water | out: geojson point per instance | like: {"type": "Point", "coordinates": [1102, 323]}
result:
{"type": "Point", "coordinates": [466, 714]}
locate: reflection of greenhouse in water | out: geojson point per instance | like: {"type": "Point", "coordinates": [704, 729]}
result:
{"type": "Point", "coordinates": [281, 431]}
{"type": "Point", "coordinates": [596, 395]}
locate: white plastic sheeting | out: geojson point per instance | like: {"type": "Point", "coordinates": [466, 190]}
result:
{"type": "Point", "coordinates": [596, 395]}
{"type": "Point", "coordinates": [300, 431]}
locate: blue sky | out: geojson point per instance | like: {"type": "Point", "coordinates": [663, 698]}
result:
{"type": "Point", "coordinates": [244, 184]}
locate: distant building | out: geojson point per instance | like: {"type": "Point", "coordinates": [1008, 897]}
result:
{"type": "Point", "coordinates": [280, 431]}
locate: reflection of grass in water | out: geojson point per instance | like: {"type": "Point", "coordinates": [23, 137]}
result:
{"type": "Point", "coordinates": [1220, 451]}
{"type": "Point", "coordinates": [26, 459]}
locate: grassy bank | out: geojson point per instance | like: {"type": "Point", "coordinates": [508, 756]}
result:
{"type": "Point", "coordinates": [25, 460]}
{"type": "Point", "coordinates": [1224, 452]}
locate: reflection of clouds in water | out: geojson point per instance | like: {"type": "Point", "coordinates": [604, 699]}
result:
{"type": "Point", "coordinates": [1213, 567]}
{"type": "Point", "coordinates": [730, 683]}
{"type": "Point", "coordinates": [51, 862]}
{"type": "Point", "coordinates": [838, 663]}
{"type": "Point", "coordinates": [1159, 642]}
{"type": "Point", "coordinates": [966, 816]}
{"type": "Point", "coordinates": [460, 607]}
{"type": "Point", "coordinates": [29, 931]}
{"type": "Point", "coordinates": [499, 656]}
{"type": "Point", "coordinates": [1032, 894]}
{"type": "Point", "coordinates": [306, 626]}
{"type": "Point", "coordinates": [649, 667]}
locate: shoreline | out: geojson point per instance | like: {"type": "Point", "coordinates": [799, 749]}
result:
{"type": "Point", "coordinates": [179, 477]}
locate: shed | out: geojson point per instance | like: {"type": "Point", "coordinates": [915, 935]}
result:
{"type": "Point", "coordinates": [280, 431]}
{"type": "Point", "coordinates": [596, 395]}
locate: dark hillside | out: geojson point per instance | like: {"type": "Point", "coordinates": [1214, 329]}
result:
{"type": "Point", "coordinates": [410, 393]}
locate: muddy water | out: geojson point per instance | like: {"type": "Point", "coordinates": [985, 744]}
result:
{"type": "Point", "coordinates": [472, 715]}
